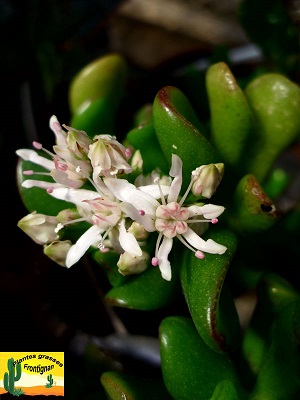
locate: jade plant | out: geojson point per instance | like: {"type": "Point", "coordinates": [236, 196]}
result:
{"type": "Point", "coordinates": [141, 209]}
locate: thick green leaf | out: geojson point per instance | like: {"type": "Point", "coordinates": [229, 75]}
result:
{"type": "Point", "coordinates": [250, 210]}
{"type": "Point", "coordinates": [95, 94]}
{"type": "Point", "coordinates": [144, 138]}
{"type": "Point", "coordinates": [101, 78]}
{"type": "Point", "coordinates": [275, 101]}
{"type": "Point", "coordinates": [225, 390]}
{"type": "Point", "coordinates": [231, 115]}
{"type": "Point", "coordinates": [190, 368]}
{"type": "Point", "coordinates": [210, 304]}
{"type": "Point", "coordinates": [145, 291]}
{"type": "Point", "coordinates": [273, 294]}
{"type": "Point", "coordinates": [279, 374]}
{"type": "Point", "coordinates": [177, 132]}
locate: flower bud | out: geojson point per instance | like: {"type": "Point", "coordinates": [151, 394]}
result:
{"type": "Point", "coordinates": [206, 179]}
{"type": "Point", "coordinates": [67, 215]}
{"type": "Point", "coordinates": [39, 227]}
{"type": "Point", "coordinates": [58, 251]}
{"type": "Point", "coordinates": [129, 264]}
{"type": "Point", "coordinates": [138, 231]}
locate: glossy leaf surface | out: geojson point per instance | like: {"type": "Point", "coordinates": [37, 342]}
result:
{"type": "Point", "coordinates": [190, 368]}
{"type": "Point", "coordinates": [212, 309]}
{"type": "Point", "coordinates": [275, 101]}
{"type": "Point", "coordinates": [251, 210]}
{"type": "Point", "coordinates": [177, 133]}
{"type": "Point", "coordinates": [146, 291]}
{"type": "Point", "coordinates": [230, 114]}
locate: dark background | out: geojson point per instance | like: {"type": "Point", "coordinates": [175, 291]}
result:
{"type": "Point", "coordinates": [43, 44]}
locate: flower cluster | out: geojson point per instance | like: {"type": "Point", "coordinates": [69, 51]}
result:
{"type": "Point", "coordinates": [90, 173]}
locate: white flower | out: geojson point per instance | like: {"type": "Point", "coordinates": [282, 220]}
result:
{"type": "Point", "coordinates": [110, 155]}
{"type": "Point", "coordinates": [169, 217]}
{"type": "Point", "coordinates": [106, 216]}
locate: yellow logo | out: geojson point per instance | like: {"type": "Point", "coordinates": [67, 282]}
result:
{"type": "Point", "coordinates": [27, 373]}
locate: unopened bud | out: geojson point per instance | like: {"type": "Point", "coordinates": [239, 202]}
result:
{"type": "Point", "coordinates": [206, 179]}
{"type": "Point", "coordinates": [67, 215]}
{"type": "Point", "coordinates": [129, 264]}
{"type": "Point", "coordinates": [138, 231]}
{"type": "Point", "coordinates": [58, 251]}
{"type": "Point", "coordinates": [39, 227]}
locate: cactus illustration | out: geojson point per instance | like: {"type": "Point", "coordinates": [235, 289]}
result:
{"type": "Point", "coordinates": [50, 379]}
{"type": "Point", "coordinates": [11, 376]}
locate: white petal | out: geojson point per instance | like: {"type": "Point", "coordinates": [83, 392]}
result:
{"type": "Point", "coordinates": [125, 191]}
{"type": "Point", "coordinates": [128, 241]}
{"type": "Point", "coordinates": [209, 211]}
{"type": "Point", "coordinates": [75, 196]}
{"type": "Point", "coordinates": [212, 211]}
{"type": "Point", "coordinates": [90, 237]}
{"type": "Point", "coordinates": [209, 246]}
{"type": "Point", "coordinates": [33, 156]}
{"type": "Point", "coordinates": [176, 172]}
{"type": "Point", "coordinates": [162, 255]}
{"type": "Point", "coordinates": [59, 133]}
{"type": "Point", "coordinates": [154, 191]}
{"type": "Point", "coordinates": [133, 213]}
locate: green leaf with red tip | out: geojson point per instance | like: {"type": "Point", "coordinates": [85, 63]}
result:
{"type": "Point", "coordinates": [251, 210]}
{"type": "Point", "coordinates": [275, 101]}
{"type": "Point", "coordinates": [120, 386]}
{"type": "Point", "coordinates": [176, 129]}
{"type": "Point", "coordinates": [190, 368]}
{"type": "Point", "coordinates": [37, 199]}
{"type": "Point", "coordinates": [211, 305]}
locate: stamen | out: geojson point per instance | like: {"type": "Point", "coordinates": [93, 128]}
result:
{"type": "Point", "coordinates": [31, 172]}
{"type": "Point", "coordinates": [213, 220]}
{"type": "Point", "coordinates": [186, 193]}
{"type": "Point", "coordinates": [37, 145]}
{"type": "Point", "coordinates": [156, 180]}
{"type": "Point", "coordinates": [28, 172]}
{"type": "Point", "coordinates": [199, 254]}
{"type": "Point", "coordinates": [183, 241]}
{"type": "Point", "coordinates": [128, 153]}
{"type": "Point", "coordinates": [154, 261]}
{"type": "Point", "coordinates": [50, 189]}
